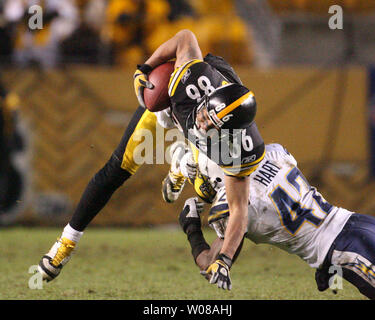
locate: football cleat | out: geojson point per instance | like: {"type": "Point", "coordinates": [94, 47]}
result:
{"type": "Point", "coordinates": [51, 263]}
{"type": "Point", "coordinates": [172, 186]}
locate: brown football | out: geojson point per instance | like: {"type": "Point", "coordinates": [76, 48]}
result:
{"type": "Point", "coordinates": [157, 99]}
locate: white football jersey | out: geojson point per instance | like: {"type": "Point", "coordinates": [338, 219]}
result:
{"type": "Point", "coordinates": [287, 212]}
{"type": "Point", "coordinates": [284, 210]}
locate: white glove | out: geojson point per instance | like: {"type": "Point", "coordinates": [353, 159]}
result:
{"type": "Point", "coordinates": [190, 215]}
{"type": "Point", "coordinates": [177, 151]}
{"type": "Point", "coordinates": [188, 166]}
{"type": "Point", "coordinates": [196, 207]}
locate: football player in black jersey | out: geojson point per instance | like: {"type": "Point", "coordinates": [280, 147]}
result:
{"type": "Point", "coordinates": [122, 165]}
{"type": "Point", "coordinates": [210, 108]}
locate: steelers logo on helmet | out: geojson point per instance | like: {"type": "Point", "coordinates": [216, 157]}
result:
{"type": "Point", "coordinates": [232, 106]}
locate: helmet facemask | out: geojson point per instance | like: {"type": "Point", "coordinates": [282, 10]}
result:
{"type": "Point", "coordinates": [211, 131]}
{"type": "Point", "coordinates": [215, 134]}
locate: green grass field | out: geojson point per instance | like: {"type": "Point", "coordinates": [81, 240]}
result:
{"type": "Point", "coordinates": [150, 264]}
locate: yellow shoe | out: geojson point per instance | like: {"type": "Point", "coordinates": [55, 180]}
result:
{"type": "Point", "coordinates": [51, 264]}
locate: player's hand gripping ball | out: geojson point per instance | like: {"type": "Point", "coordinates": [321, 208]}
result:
{"type": "Point", "coordinates": [151, 86]}
{"type": "Point", "coordinates": [141, 82]}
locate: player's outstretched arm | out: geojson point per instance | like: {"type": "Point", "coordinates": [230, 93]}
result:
{"type": "Point", "coordinates": [214, 266]}
{"type": "Point", "coordinates": [237, 190]}
{"type": "Point", "coordinates": [183, 46]}
{"type": "Point", "coordinates": [190, 222]}
{"type": "Point", "coordinates": [207, 257]}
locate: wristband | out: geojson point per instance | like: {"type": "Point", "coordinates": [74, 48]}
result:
{"type": "Point", "coordinates": [145, 68]}
{"type": "Point", "coordinates": [227, 260]}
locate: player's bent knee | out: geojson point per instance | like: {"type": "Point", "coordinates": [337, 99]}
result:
{"type": "Point", "coordinates": [112, 175]}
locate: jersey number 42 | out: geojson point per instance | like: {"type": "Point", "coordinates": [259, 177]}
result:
{"type": "Point", "coordinates": [293, 215]}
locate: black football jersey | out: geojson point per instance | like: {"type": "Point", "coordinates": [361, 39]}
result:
{"type": "Point", "coordinates": [188, 85]}
{"type": "Point", "coordinates": [239, 152]}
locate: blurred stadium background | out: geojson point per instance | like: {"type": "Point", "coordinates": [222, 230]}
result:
{"type": "Point", "coordinates": [67, 96]}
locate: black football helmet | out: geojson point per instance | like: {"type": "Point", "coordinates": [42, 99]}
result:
{"type": "Point", "coordinates": [231, 106]}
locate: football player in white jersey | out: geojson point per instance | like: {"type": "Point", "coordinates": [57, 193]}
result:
{"type": "Point", "coordinates": [285, 211]}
